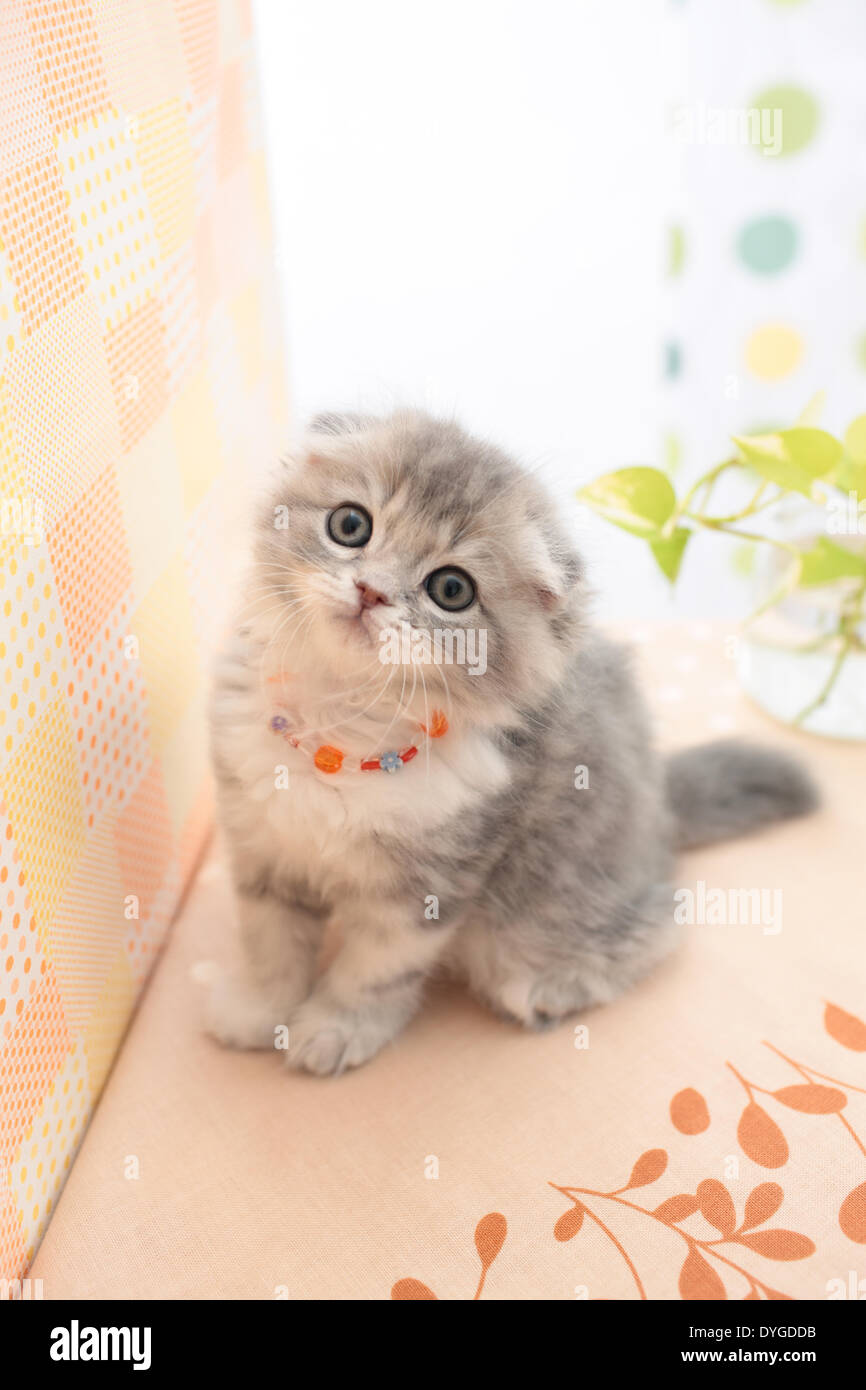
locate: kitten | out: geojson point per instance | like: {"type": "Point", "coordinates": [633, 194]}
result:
{"type": "Point", "coordinates": [463, 841]}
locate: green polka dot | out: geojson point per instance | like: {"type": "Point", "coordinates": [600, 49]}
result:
{"type": "Point", "coordinates": [673, 360]}
{"type": "Point", "coordinates": [676, 250]}
{"type": "Point", "coordinates": [786, 4]}
{"type": "Point", "coordinates": [798, 117]}
{"type": "Point", "coordinates": [768, 244]}
{"type": "Point", "coordinates": [861, 351]}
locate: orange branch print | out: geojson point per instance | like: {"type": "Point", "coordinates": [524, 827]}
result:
{"type": "Point", "coordinates": [761, 1139]}
{"type": "Point", "coordinates": [698, 1279]}
{"type": "Point", "coordinates": [572, 1228]}
{"type": "Point", "coordinates": [850, 1032]}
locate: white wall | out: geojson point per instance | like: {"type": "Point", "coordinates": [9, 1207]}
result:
{"type": "Point", "coordinates": [470, 199]}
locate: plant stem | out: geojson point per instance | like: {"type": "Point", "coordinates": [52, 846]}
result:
{"type": "Point", "coordinates": [849, 619]}
{"type": "Point", "coordinates": [713, 525]}
{"type": "Point", "coordinates": [751, 509]}
{"type": "Point", "coordinates": [705, 480]}
{"type": "Point", "coordinates": [826, 689]}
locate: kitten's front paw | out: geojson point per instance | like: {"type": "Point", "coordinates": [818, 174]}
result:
{"type": "Point", "coordinates": [326, 1040]}
{"type": "Point", "coordinates": [237, 1014]}
{"type": "Point", "coordinates": [539, 1002]}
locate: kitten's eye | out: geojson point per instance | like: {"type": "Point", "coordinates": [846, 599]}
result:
{"type": "Point", "coordinates": [450, 588]}
{"type": "Point", "coordinates": [350, 525]}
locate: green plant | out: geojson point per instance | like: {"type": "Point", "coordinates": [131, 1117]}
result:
{"type": "Point", "coordinates": [770, 469]}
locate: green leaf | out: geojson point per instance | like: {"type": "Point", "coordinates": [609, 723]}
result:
{"type": "Point", "coordinates": [640, 500]}
{"type": "Point", "coordinates": [850, 476]}
{"type": "Point", "coordinates": [826, 562]}
{"type": "Point", "coordinates": [669, 550]}
{"type": "Point", "coordinates": [855, 440]}
{"type": "Point", "coordinates": [792, 459]}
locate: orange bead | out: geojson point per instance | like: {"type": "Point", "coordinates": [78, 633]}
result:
{"type": "Point", "coordinates": [328, 759]}
{"type": "Point", "coordinates": [438, 724]}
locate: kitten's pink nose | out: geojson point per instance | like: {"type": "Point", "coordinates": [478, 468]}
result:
{"type": "Point", "coordinates": [369, 596]}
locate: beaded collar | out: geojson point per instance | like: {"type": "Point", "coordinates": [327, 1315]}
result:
{"type": "Point", "coordinates": [329, 759]}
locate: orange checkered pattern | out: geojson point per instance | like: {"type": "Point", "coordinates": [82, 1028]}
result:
{"type": "Point", "coordinates": [140, 385]}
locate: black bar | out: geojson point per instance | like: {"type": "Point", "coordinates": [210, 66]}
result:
{"type": "Point", "coordinates": [261, 1337]}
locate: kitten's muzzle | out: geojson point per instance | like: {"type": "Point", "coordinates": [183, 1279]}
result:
{"type": "Point", "coordinates": [370, 596]}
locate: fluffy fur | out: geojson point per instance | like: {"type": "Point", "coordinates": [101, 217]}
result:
{"type": "Point", "coordinates": [481, 854]}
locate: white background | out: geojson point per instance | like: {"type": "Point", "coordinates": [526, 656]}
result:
{"type": "Point", "coordinates": [470, 201]}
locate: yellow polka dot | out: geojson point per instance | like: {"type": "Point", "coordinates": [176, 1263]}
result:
{"type": "Point", "coordinates": [773, 351]}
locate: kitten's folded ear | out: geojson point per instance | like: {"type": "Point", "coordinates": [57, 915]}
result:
{"type": "Point", "coordinates": [337, 422]}
{"type": "Point", "coordinates": [554, 571]}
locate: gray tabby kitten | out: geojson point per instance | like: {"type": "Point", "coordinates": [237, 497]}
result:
{"type": "Point", "coordinates": [477, 853]}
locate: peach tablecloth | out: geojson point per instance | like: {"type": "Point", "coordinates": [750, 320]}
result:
{"type": "Point", "coordinates": [733, 1080]}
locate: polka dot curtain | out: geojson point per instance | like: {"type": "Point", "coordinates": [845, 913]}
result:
{"type": "Point", "coordinates": [766, 256]}
{"type": "Point", "coordinates": [140, 383]}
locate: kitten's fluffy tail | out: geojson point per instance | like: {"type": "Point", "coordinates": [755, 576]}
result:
{"type": "Point", "coordinates": [720, 790]}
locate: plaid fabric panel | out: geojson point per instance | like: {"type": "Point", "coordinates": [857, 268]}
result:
{"type": "Point", "coordinates": [140, 384]}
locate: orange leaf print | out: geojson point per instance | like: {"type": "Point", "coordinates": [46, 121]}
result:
{"type": "Point", "coordinates": [852, 1215]}
{"type": "Point", "coordinates": [490, 1236]}
{"type": "Point", "coordinates": [698, 1279]}
{"type": "Point", "coordinates": [649, 1166]}
{"type": "Point", "coordinates": [716, 1205]}
{"type": "Point", "coordinates": [411, 1289]}
{"type": "Point", "coordinates": [760, 1138]}
{"type": "Point", "coordinates": [844, 1028]}
{"type": "Point", "coordinates": [677, 1208]}
{"type": "Point", "coordinates": [779, 1244]}
{"type": "Point", "coordinates": [752, 1297]}
{"type": "Point", "coordinates": [762, 1203]}
{"type": "Point", "coordinates": [776, 1297]}
{"type": "Point", "coordinates": [812, 1099]}
{"type": "Point", "coordinates": [689, 1113]}
{"type": "Point", "coordinates": [569, 1224]}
